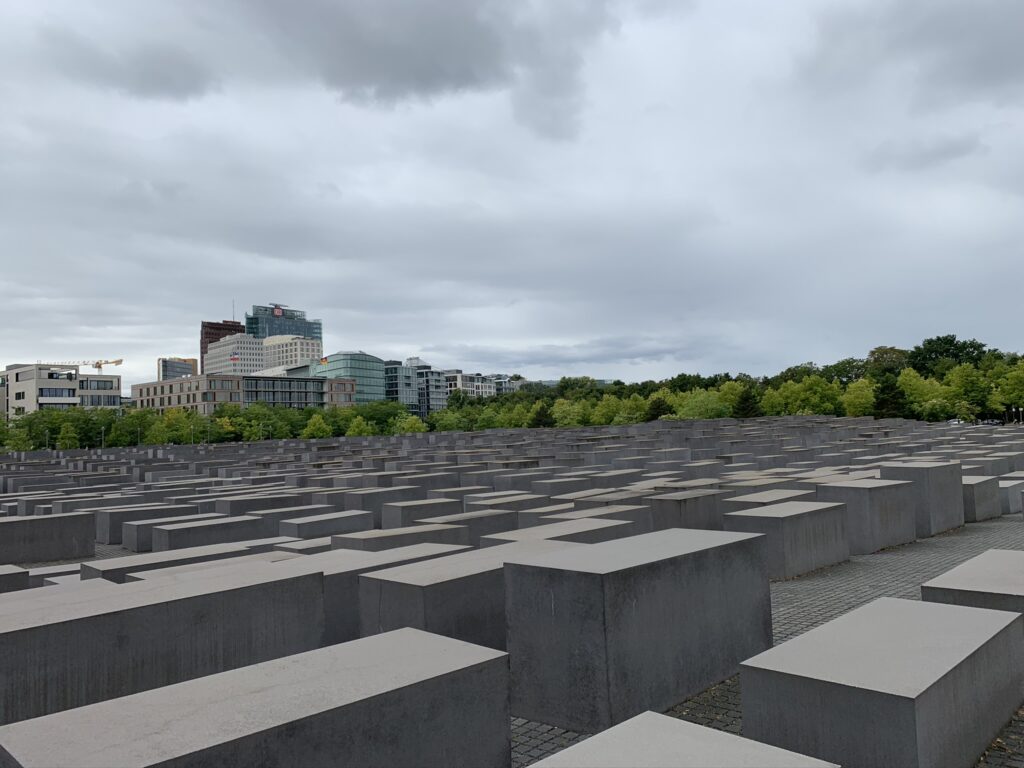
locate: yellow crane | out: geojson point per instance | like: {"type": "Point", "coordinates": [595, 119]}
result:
{"type": "Point", "coordinates": [97, 364]}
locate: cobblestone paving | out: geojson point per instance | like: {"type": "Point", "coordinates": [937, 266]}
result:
{"type": "Point", "coordinates": [805, 602]}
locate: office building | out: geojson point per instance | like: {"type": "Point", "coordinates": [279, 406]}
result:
{"type": "Point", "coordinates": [366, 370]}
{"type": "Point", "coordinates": [400, 385]}
{"type": "Point", "coordinates": [205, 392]}
{"type": "Point", "coordinates": [291, 351]}
{"type": "Point", "coordinates": [211, 331]}
{"type": "Point", "coordinates": [472, 384]}
{"type": "Point", "coordinates": [176, 367]}
{"type": "Point", "coordinates": [42, 386]}
{"type": "Point", "coordinates": [278, 320]}
{"type": "Point", "coordinates": [237, 355]}
{"type": "Point", "coordinates": [431, 389]}
{"type": "Point", "coordinates": [504, 383]}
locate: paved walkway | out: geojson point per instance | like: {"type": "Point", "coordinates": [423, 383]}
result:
{"type": "Point", "coordinates": [805, 602]}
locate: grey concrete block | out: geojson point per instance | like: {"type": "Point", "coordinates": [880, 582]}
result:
{"type": "Point", "coordinates": [658, 741]}
{"type": "Point", "coordinates": [203, 533]}
{"type": "Point", "coordinates": [13, 578]}
{"type": "Point", "coordinates": [317, 526]}
{"type": "Point", "coordinates": [109, 520]}
{"type": "Point", "coordinates": [461, 595]}
{"type": "Point", "coordinates": [642, 516]}
{"type": "Point", "coordinates": [588, 531]}
{"type": "Point", "coordinates": [1010, 496]}
{"type": "Point", "coordinates": [938, 497]}
{"type": "Point", "coordinates": [894, 682]}
{"type": "Point", "coordinates": [341, 568]}
{"type": "Point", "coordinates": [879, 513]}
{"type": "Point", "coordinates": [981, 498]}
{"type": "Point", "coordinates": [137, 535]}
{"type": "Point", "coordinates": [39, 539]}
{"type": "Point", "coordinates": [601, 633]}
{"type": "Point", "coordinates": [400, 514]}
{"type": "Point", "coordinates": [133, 637]}
{"type": "Point", "coordinates": [994, 579]}
{"type": "Point", "coordinates": [376, 540]}
{"type": "Point", "coordinates": [801, 536]}
{"type": "Point", "coordinates": [407, 698]}
{"type": "Point", "coordinates": [478, 524]}
{"type": "Point", "coordinates": [687, 509]}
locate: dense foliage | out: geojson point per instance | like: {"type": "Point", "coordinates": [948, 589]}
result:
{"type": "Point", "coordinates": [941, 378]}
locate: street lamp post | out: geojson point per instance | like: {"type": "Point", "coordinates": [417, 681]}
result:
{"type": "Point", "coordinates": [103, 436]}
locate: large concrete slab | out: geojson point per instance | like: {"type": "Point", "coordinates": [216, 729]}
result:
{"type": "Point", "coordinates": [658, 741]}
{"type": "Point", "coordinates": [879, 513]}
{"type": "Point", "coordinates": [406, 698]}
{"type": "Point", "coordinates": [598, 634]}
{"type": "Point", "coordinates": [802, 536]}
{"type": "Point", "coordinates": [894, 682]}
{"type": "Point", "coordinates": [938, 497]}
{"type": "Point", "coordinates": [994, 579]}
{"type": "Point", "coordinates": [461, 595]}
{"type": "Point", "coordinates": [58, 654]}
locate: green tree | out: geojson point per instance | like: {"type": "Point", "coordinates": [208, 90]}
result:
{"type": "Point", "coordinates": [658, 406]}
{"type": "Point", "coordinates": [938, 355]}
{"type": "Point", "coordinates": [632, 410]}
{"type": "Point", "coordinates": [409, 424]}
{"type": "Point", "coordinates": [67, 438]}
{"type": "Point", "coordinates": [890, 402]}
{"type": "Point", "coordinates": [316, 428]}
{"type": "Point", "coordinates": [702, 404]}
{"type": "Point", "coordinates": [748, 405]}
{"type": "Point", "coordinates": [540, 416]}
{"type": "Point", "coordinates": [883, 360]}
{"type": "Point", "coordinates": [968, 385]}
{"type": "Point", "coordinates": [157, 434]}
{"type": "Point", "coordinates": [606, 410]}
{"type": "Point", "coordinates": [18, 440]}
{"type": "Point", "coordinates": [845, 371]}
{"type": "Point", "coordinates": [859, 398]}
{"type": "Point", "coordinates": [360, 427]}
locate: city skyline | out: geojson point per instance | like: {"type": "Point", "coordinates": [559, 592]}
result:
{"type": "Point", "coordinates": [620, 190]}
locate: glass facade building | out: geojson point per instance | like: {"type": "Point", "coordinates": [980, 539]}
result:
{"type": "Point", "coordinates": [366, 370]}
{"type": "Point", "coordinates": [400, 385]}
{"type": "Point", "coordinates": [278, 320]}
{"type": "Point", "coordinates": [176, 367]}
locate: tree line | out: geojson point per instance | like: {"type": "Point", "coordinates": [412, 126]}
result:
{"type": "Point", "coordinates": [941, 378]}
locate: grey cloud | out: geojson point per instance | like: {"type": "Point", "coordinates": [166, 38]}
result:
{"type": "Point", "coordinates": [922, 154]}
{"type": "Point", "coordinates": [153, 70]}
{"type": "Point", "coordinates": [954, 51]}
{"type": "Point", "coordinates": [370, 52]}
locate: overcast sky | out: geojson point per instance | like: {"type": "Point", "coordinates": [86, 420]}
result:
{"type": "Point", "coordinates": [616, 189]}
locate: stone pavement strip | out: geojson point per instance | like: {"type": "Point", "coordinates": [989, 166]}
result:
{"type": "Point", "coordinates": [807, 601]}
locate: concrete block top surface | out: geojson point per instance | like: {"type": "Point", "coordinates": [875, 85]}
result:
{"type": "Point", "coordinates": [977, 479]}
{"type": "Point", "coordinates": [129, 596]}
{"type": "Point", "coordinates": [175, 720]}
{"type": "Point", "coordinates": [868, 482]}
{"type": "Point", "coordinates": [919, 464]}
{"type": "Point", "coordinates": [769, 497]}
{"type": "Point", "coordinates": [786, 509]}
{"type": "Point", "coordinates": [554, 530]}
{"type": "Point", "coordinates": [427, 572]}
{"type": "Point", "coordinates": [997, 570]}
{"type": "Point", "coordinates": [659, 741]}
{"type": "Point", "coordinates": [633, 551]}
{"type": "Point", "coordinates": [384, 533]}
{"type": "Point", "coordinates": [337, 561]}
{"type": "Point", "coordinates": [892, 646]}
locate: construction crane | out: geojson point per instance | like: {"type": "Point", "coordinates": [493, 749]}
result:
{"type": "Point", "coordinates": [97, 364]}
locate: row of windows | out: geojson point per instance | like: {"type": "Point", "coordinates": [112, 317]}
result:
{"type": "Point", "coordinates": [97, 401]}
{"type": "Point", "coordinates": [55, 392]}
{"type": "Point", "coordinates": [95, 384]}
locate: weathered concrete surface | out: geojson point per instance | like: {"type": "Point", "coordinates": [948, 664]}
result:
{"type": "Point", "coordinates": [931, 684]}
{"type": "Point", "coordinates": [598, 634]}
{"type": "Point", "coordinates": [407, 698]}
